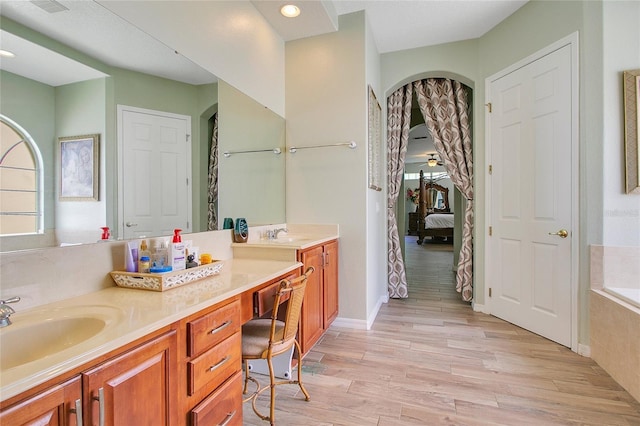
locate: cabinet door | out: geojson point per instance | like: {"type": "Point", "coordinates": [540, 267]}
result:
{"type": "Point", "coordinates": [312, 318]}
{"type": "Point", "coordinates": [55, 406]}
{"type": "Point", "coordinates": [134, 388]}
{"type": "Point", "coordinates": [330, 277]}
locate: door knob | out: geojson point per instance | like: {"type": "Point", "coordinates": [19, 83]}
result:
{"type": "Point", "coordinates": [129, 224]}
{"type": "Point", "coordinates": [563, 233]}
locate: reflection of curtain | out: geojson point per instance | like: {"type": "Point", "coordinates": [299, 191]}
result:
{"type": "Point", "coordinates": [444, 105]}
{"type": "Point", "coordinates": [398, 122]}
{"type": "Point", "coordinates": [212, 217]}
{"type": "Point", "coordinates": [432, 195]}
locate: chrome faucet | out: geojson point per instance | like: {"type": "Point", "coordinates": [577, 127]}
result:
{"type": "Point", "coordinates": [272, 234]}
{"type": "Point", "coordinates": [6, 311]}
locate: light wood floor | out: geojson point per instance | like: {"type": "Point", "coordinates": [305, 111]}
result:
{"type": "Point", "coordinates": [431, 360]}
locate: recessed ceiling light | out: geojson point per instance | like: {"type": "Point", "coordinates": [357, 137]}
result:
{"type": "Point", "coordinates": [6, 54]}
{"type": "Point", "coordinates": [290, 10]}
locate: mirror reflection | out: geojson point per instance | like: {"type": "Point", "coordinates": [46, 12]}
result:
{"type": "Point", "coordinates": [250, 185]}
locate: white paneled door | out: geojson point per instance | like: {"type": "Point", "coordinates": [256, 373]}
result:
{"type": "Point", "coordinates": [155, 169]}
{"type": "Point", "coordinates": [530, 243]}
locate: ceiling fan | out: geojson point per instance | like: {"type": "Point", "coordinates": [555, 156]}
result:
{"type": "Point", "coordinates": [433, 161]}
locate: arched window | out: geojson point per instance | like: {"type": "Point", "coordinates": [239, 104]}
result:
{"type": "Point", "coordinates": [21, 198]}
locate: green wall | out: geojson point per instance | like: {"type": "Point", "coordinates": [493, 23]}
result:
{"type": "Point", "coordinates": [80, 110]}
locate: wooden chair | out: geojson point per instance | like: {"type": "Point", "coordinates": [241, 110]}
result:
{"type": "Point", "coordinates": [266, 338]}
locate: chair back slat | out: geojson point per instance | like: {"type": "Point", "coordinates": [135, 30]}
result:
{"type": "Point", "coordinates": [295, 288]}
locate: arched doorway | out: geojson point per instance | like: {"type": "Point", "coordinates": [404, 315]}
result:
{"type": "Point", "coordinates": [445, 106]}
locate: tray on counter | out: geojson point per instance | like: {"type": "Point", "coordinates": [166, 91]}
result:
{"type": "Point", "coordinates": [166, 280]}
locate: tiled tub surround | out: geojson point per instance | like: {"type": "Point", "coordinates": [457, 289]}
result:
{"type": "Point", "coordinates": [55, 278]}
{"type": "Point", "coordinates": [615, 322]}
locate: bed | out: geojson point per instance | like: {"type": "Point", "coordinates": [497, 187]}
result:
{"type": "Point", "coordinates": [435, 219]}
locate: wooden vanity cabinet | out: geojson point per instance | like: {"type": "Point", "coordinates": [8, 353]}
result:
{"type": "Point", "coordinates": [320, 304]}
{"type": "Point", "coordinates": [59, 405]}
{"type": "Point", "coordinates": [134, 388]}
{"type": "Point", "coordinates": [213, 366]}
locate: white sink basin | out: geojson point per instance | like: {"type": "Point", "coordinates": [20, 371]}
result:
{"type": "Point", "coordinates": [42, 333]}
{"type": "Point", "coordinates": [291, 239]}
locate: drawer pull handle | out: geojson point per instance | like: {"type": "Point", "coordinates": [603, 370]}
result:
{"type": "Point", "coordinates": [221, 327]}
{"type": "Point", "coordinates": [100, 399]}
{"type": "Point", "coordinates": [78, 412]}
{"type": "Point", "coordinates": [227, 419]}
{"type": "Point", "coordinates": [219, 364]}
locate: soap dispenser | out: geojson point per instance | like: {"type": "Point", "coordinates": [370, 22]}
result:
{"type": "Point", "coordinates": [177, 253]}
{"type": "Point", "coordinates": [106, 233]}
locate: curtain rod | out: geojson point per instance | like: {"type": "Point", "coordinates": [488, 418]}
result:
{"type": "Point", "coordinates": [350, 144]}
{"type": "Point", "coordinates": [228, 154]}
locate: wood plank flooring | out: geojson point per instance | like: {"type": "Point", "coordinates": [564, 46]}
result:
{"type": "Point", "coordinates": [431, 360]}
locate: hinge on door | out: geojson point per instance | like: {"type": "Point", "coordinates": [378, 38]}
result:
{"type": "Point", "coordinates": [187, 181]}
{"type": "Point", "coordinates": [489, 291]}
{"type": "Point", "coordinates": [488, 105]}
{"type": "Point", "coordinates": [187, 138]}
{"type": "Point", "coordinates": [490, 169]}
{"type": "Point", "coordinates": [490, 230]}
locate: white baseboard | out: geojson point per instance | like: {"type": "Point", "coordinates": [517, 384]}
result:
{"type": "Point", "coordinates": [584, 350]}
{"type": "Point", "coordinates": [362, 324]}
{"type": "Point", "coordinates": [477, 307]}
{"type": "Point", "coordinates": [350, 323]}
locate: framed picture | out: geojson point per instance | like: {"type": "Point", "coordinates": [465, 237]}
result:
{"type": "Point", "coordinates": [79, 167]}
{"type": "Point", "coordinates": [375, 142]}
{"type": "Point", "coordinates": [631, 88]}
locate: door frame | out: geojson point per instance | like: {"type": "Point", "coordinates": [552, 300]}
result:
{"type": "Point", "coordinates": [120, 110]}
{"type": "Point", "coordinates": [572, 41]}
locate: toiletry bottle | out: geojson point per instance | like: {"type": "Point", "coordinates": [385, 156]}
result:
{"type": "Point", "coordinates": [144, 265]}
{"type": "Point", "coordinates": [177, 255]}
{"type": "Point", "coordinates": [160, 256]}
{"type": "Point", "coordinates": [105, 233]}
{"type": "Point", "coordinates": [143, 251]}
{"type": "Point", "coordinates": [131, 258]}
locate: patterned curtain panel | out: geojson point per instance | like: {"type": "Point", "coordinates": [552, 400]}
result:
{"type": "Point", "coordinates": [444, 105]}
{"type": "Point", "coordinates": [212, 206]}
{"type": "Point", "coordinates": [398, 123]}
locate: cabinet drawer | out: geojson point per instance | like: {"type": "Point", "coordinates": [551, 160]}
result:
{"type": "Point", "coordinates": [215, 365]}
{"type": "Point", "coordinates": [212, 328]}
{"type": "Point", "coordinates": [264, 298]}
{"type": "Point", "coordinates": [223, 407]}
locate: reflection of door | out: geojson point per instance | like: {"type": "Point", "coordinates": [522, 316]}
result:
{"type": "Point", "coordinates": [155, 169]}
{"type": "Point", "coordinates": [531, 152]}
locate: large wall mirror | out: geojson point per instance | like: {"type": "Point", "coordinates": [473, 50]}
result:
{"type": "Point", "coordinates": [250, 185]}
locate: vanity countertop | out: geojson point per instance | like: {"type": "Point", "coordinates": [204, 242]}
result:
{"type": "Point", "coordinates": [292, 240]}
{"type": "Point", "coordinates": [130, 314]}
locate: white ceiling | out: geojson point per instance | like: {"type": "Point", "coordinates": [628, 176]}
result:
{"type": "Point", "coordinates": [90, 28]}
{"type": "Point", "coordinates": [396, 25]}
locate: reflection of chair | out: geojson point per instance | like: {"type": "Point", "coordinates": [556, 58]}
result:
{"type": "Point", "coordinates": [266, 338]}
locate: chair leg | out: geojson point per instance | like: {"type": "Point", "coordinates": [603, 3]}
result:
{"type": "Point", "coordinates": [304, 391]}
{"type": "Point", "coordinates": [246, 375]}
{"type": "Point", "coordinates": [272, 383]}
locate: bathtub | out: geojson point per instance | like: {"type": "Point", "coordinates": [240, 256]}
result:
{"type": "Point", "coordinates": [614, 313]}
{"type": "Point", "coordinates": [629, 295]}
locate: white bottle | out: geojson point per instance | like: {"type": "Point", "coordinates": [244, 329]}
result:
{"type": "Point", "coordinates": [160, 256]}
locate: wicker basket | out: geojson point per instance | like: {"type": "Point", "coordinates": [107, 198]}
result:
{"type": "Point", "coordinates": [167, 280]}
